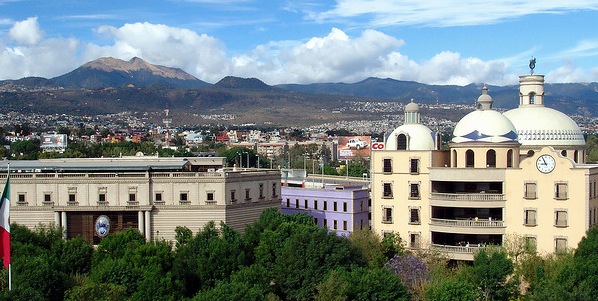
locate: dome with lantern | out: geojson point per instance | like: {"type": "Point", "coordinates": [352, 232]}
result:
{"type": "Point", "coordinates": [412, 135]}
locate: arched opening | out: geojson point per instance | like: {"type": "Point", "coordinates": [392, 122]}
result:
{"type": "Point", "coordinates": [491, 158]}
{"type": "Point", "coordinates": [510, 158]}
{"type": "Point", "coordinates": [531, 98]}
{"type": "Point", "coordinates": [576, 156]}
{"type": "Point", "coordinates": [469, 158]}
{"type": "Point", "coordinates": [564, 153]}
{"type": "Point", "coordinates": [454, 158]}
{"type": "Point", "coordinates": [401, 142]}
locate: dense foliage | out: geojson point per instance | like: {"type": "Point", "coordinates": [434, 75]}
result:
{"type": "Point", "coordinates": [282, 257]}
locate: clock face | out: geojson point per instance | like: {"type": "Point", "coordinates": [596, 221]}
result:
{"type": "Point", "coordinates": [545, 163]}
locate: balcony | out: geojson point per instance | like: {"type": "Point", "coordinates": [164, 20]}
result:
{"type": "Point", "coordinates": [464, 197]}
{"type": "Point", "coordinates": [457, 252]}
{"type": "Point", "coordinates": [467, 223]}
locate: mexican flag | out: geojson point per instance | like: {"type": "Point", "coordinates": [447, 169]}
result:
{"type": "Point", "coordinates": [5, 224]}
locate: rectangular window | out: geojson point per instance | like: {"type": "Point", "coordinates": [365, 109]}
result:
{"type": "Point", "coordinates": [48, 198]}
{"type": "Point", "coordinates": [414, 166]}
{"type": "Point", "coordinates": [325, 205]}
{"type": "Point", "coordinates": [296, 203]}
{"type": "Point", "coordinates": [210, 198]}
{"type": "Point", "coordinates": [387, 165]}
{"type": "Point", "coordinates": [315, 220]}
{"type": "Point", "coordinates": [315, 204]}
{"type": "Point", "coordinates": [414, 216]}
{"type": "Point", "coordinates": [274, 190]}
{"type": "Point", "coordinates": [72, 198]}
{"type": "Point", "coordinates": [345, 225]}
{"type": "Point", "coordinates": [261, 191]}
{"type": "Point", "coordinates": [530, 190]}
{"type": "Point", "coordinates": [414, 191]}
{"type": "Point", "coordinates": [158, 197]}
{"type": "Point", "coordinates": [531, 244]}
{"type": "Point", "coordinates": [560, 218]}
{"type": "Point", "coordinates": [233, 196]}
{"type": "Point", "coordinates": [560, 191]}
{"type": "Point", "coordinates": [102, 198]}
{"type": "Point", "coordinates": [325, 223]}
{"type": "Point", "coordinates": [247, 198]}
{"type": "Point", "coordinates": [530, 217]}
{"type": "Point", "coordinates": [305, 204]}
{"type": "Point", "coordinates": [21, 198]}
{"type": "Point", "coordinates": [560, 245]}
{"type": "Point", "coordinates": [132, 197]}
{"type": "Point", "coordinates": [414, 240]}
{"type": "Point", "coordinates": [387, 190]}
{"type": "Point", "coordinates": [334, 207]}
{"type": "Point", "coordinates": [288, 203]}
{"type": "Point", "coordinates": [345, 207]}
{"type": "Point", "coordinates": [184, 197]}
{"type": "Point", "coordinates": [335, 225]}
{"type": "Point", "coordinates": [387, 215]}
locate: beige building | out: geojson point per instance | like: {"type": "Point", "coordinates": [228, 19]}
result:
{"type": "Point", "coordinates": [522, 172]}
{"type": "Point", "coordinates": [94, 197]}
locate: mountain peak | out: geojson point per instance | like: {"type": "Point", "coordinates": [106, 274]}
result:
{"type": "Point", "coordinates": [233, 82]}
{"type": "Point", "coordinates": [110, 64]}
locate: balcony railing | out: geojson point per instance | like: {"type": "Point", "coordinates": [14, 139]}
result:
{"type": "Point", "coordinates": [456, 249]}
{"type": "Point", "coordinates": [467, 223]}
{"type": "Point", "coordinates": [467, 196]}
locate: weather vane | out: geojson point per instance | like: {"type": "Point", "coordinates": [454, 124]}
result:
{"type": "Point", "coordinates": [532, 65]}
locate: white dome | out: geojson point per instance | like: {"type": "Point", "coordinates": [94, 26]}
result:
{"type": "Point", "coordinates": [420, 137]}
{"type": "Point", "coordinates": [484, 126]}
{"type": "Point", "coordinates": [540, 125]}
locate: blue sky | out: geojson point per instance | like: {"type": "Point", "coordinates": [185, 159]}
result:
{"type": "Point", "coordinates": [307, 41]}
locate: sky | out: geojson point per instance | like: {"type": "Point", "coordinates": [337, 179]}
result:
{"type": "Point", "coordinates": [448, 42]}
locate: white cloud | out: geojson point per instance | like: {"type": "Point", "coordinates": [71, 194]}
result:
{"type": "Point", "coordinates": [26, 32]}
{"type": "Point", "coordinates": [434, 13]}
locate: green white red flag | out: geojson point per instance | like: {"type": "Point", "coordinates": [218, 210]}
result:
{"type": "Point", "coordinates": [5, 224]}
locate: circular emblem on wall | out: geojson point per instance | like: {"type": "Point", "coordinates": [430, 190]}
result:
{"type": "Point", "coordinates": [102, 225]}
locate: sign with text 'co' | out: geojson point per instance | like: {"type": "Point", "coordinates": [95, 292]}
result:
{"type": "Point", "coordinates": [377, 146]}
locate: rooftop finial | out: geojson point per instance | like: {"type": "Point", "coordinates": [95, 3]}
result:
{"type": "Point", "coordinates": [532, 65]}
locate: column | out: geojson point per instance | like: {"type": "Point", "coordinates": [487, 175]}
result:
{"type": "Point", "coordinates": [140, 222]}
{"type": "Point", "coordinates": [148, 229]}
{"type": "Point", "coordinates": [63, 224]}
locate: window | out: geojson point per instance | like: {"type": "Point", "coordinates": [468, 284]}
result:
{"type": "Point", "coordinates": [414, 240]}
{"type": "Point", "coordinates": [233, 196]}
{"type": "Point", "coordinates": [247, 198]}
{"type": "Point", "coordinates": [335, 225]}
{"type": "Point", "coordinates": [132, 197]}
{"type": "Point", "coordinates": [387, 191]}
{"type": "Point", "coordinates": [345, 207]}
{"type": "Point", "coordinates": [325, 223]}
{"type": "Point", "coordinates": [401, 142]}
{"type": "Point", "coordinates": [21, 198]}
{"type": "Point", "coordinates": [325, 205]}
{"type": "Point", "coordinates": [184, 197]}
{"type": "Point", "coordinates": [334, 207]}
{"type": "Point", "coordinates": [530, 190]}
{"type": "Point", "coordinates": [48, 198]}
{"type": "Point", "coordinates": [510, 158]}
{"type": "Point", "coordinates": [560, 245]}
{"type": "Point", "coordinates": [531, 244]}
{"type": "Point", "coordinates": [296, 203]}
{"type": "Point", "coordinates": [345, 225]}
{"type": "Point", "coordinates": [102, 198]}
{"type": "Point", "coordinates": [530, 217]}
{"type": "Point", "coordinates": [560, 218]}
{"type": "Point", "coordinates": [315, 204]}
{"type": "Point", "coordinates": [158, 197]}
{"type": "Point", "coordinates": [387, 166]}
{"type": "Point", "coordinates": [315, 220]}
{"type": "Point", "coordinates": [210, 198]}
{"type": "Point", "coordinates": [305, 204]}
{"type": "Point", "coordinates": [414, 216]}
{"type": "Point", "coordinates": [414, 191]}
{"type": "Point", "coordinates": [274, 190]}
{"type": "Point", "coordinates": [261, 191]}
{"type": "Point", "coordinates": [387, 215]}
{"type": "Point", "coordinates": [491, 158]}
{"type": "Point", "coordinates": [414, 166]}
{"type": "Point", "coordinates": [72, 198]}
{"type": "Point", "coordinates": [560, 191]}
{"type": "Point", "coordinates": [288, 203]}
{"type": "Point", "coordinates": [469, 158]}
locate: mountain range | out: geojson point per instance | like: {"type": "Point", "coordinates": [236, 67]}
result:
{"type": "Point", "coordinates": [109, 85]}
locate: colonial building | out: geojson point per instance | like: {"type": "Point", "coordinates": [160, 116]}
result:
{"type": "Point", "coordinates": [522, 172]}
{"type": "Point", "coordinates": [340, 208]}
{"type": "Point", "coordinates": [94, 197]}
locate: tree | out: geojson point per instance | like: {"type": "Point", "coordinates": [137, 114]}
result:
{"type": "Point", "coordinates": [96, 291]}
{"type": "Point", "coordinates": [491, 267]}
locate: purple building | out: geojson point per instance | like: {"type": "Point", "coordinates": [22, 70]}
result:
{"type": "Point", "coordinates": [340, 208]}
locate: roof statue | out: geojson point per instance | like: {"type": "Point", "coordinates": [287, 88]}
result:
{"type": "Point", "coordinates": [532, 65]}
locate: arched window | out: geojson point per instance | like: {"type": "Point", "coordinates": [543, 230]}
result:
{"type": "Point", "coordinates": [454, 158]}
{"type": "Point", "coordinates": [401, 142]}
{"type": "Point", "coordinates": [510, 158]}
{"type": "Point", "coordinates": [491, 158]}
{"type": "Point", "coordinates": [564, 153]}
{"type": "Point", "coordinates": [576, 156]}
{"type": "Point", "coordinates": [469, 158]}
{"type": "Point", "coordinates": [531, 98]}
